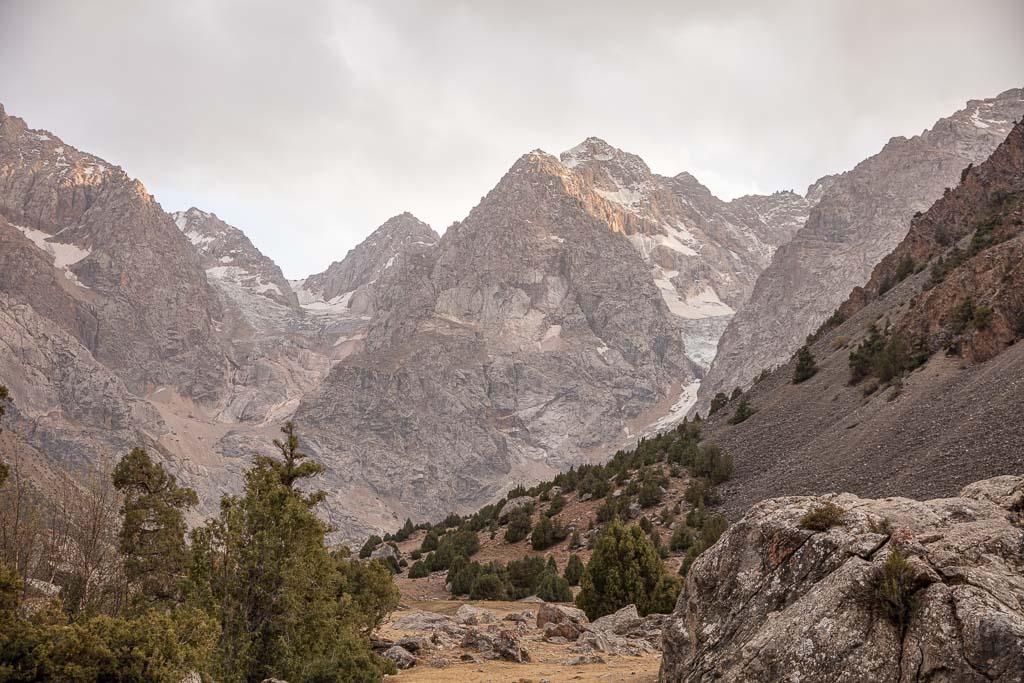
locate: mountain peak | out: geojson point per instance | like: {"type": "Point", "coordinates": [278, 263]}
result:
{"type": "Point", "coordinates": [595, 150]}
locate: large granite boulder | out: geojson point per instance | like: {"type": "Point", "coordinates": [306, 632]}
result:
{"type": "Point", "coordinates": [773, 600]}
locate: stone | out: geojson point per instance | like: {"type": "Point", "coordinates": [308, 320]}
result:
{"type": "Point", "coordinates": [502, 645]}
{"type": "Point", "coordinates": [613, 622]}
{"type": "Point", "coordinates": [422, 621]}
{"type": "Point", "coordinates": [584, 660]}
{"type": "Point", "coordinates": [472, 616]}
{"type": "Point", "coordinates": [524, 616]}
{"type": "Point", "coordinates": [384, 552]}
{"type": "Point", "coordinates": [402, 658]}
{"type": "Point", "coordinates": [566, 630]}
{"type": "Point", "coordinates": [551, 613]}
{"type": "Point", "coordinates": [773, 601]}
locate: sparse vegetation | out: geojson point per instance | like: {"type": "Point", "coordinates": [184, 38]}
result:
{"type": "Point", "coordinates": [885, 356]}
{"type": "Point", "coordinates": [625, 569]}
{"type": "Point", "coordinates": [743, 412]}
{"type": "Point", "coordinates": [823, 517]}
{"type": "Point", "coordinates": [519, 525]}
{"type": "Point", "coordinates": [891, 588]}
{"type": "Point", "coordinates": [806, 367]}
{"type": "Point", "coordinates": [573, 570]}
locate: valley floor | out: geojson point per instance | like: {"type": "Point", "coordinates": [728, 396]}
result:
{"type": "Point", "coordinates": [549, 661]}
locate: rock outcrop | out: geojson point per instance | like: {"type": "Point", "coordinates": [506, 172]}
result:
{"type": "Point", "coordinates": [860, 217]}
{"type": "Point", "coordinates": [772, 600]}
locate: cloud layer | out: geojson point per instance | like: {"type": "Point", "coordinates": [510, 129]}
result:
{"type": "Point", "coordinates": [308, 124]}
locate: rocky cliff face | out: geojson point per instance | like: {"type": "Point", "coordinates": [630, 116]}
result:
{"type": "Point", "coordinates": [233, 265]}
{"type": "Point", "coordinates": [773, 600]}
{"type": "Point", "coordinates": [703, 254]}
{"type": "Point", "coordinates": [860, 217]}
{"type": "Point", "coordinates": [348, 283]}
{"type": "Point", "coordinates": [141, 302]}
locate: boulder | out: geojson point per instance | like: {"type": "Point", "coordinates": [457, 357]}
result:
{"type": "Point", "coordinates": [555, 491]}
{"type": "Point", "coordinates": [419, 620]}
{"type": "Point", "coordinates": [551, 613]}
{"type": "Point", "coordinates": [416, 644]}
{"type": "Point", "coordinates": [566, 630]}
{"type": "Point", "coordinates": [611, 644]}
{"type": "Point", "coordinates": [472, 616]}
{"type": "Point", "coordinates": [611, 622]}
{"type": "Point", "coordinates": [384, 552]}
{"type": "Point", "coordinates": [512, 505]}
{"type": "Point", "coordinates": [774, 601]}
{"type": "Point", "coordinates": [520, 617]}
{"type": "Point", "coordinates": [583, 660]}
{"type": "Point", "coordinates": [402, 658]}
{"type": "Point", "coordinates": [502, 645]}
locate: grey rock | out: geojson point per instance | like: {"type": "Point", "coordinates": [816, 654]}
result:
{"type": "Point", "coordinates": [473, 616]}
{"type": "Point", "coordinates": [402, 658]}
{"type": "Point", "coordinates": [503, 645]}
{"type": "Point", "coordinates": [584, 660]}
{"type": "Point", "coordinates": [773, 601]}
{"type": "Point", "coordinates": [551, 613]}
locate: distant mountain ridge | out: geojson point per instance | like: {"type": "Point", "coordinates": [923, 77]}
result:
{"type": "Point", "coordinates": [860, 217]}
{"type": "Point", "coordinates": [573, 309]}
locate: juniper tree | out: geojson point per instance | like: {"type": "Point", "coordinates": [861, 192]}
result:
{"type": "Point", "coordinates": [625, 569]}
{"type": "Point", "coordinates": [152, 537]}
{"type": "Point", "coordinates": [806, 367]}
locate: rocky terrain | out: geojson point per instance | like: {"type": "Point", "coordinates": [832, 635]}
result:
{"type": "Point", "coordinates": [941, 406]}
{"type": "Point", "coordinates": [572, 310]}
{"type": "Point", "coordinates": [860, 216]}
{"type": "Point", "coordinates": [895, 590]}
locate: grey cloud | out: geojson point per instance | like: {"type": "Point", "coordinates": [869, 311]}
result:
{"type": "Point", "coordinates": [308, 124]}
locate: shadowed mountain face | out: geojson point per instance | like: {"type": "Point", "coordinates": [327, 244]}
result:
{"type": "Point", "coordinates": [860, 217]}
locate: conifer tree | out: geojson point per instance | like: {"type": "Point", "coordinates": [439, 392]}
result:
{"type": "Point", "coordinates": [806, 367]}
{"type": "Point", "coordinates": [280, 597]}
{"type": "Point", "coordinates": [574, 570]}
{"type": "Point", "coordinates": [152, 537]}
{"type": "Point", "coordinates": [625, 569]}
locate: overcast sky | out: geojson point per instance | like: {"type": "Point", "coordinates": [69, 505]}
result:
{"type": "Point", "coordinates": [307, 124]}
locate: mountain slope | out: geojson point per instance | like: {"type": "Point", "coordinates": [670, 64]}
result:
{"type": "Point", "coordinates": [860, 217]}
{"type": "Point", "coordinates": [924, 432]}
{"type": "Point", "coordinates": [150, 310]}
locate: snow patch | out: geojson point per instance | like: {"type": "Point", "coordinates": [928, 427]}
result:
{"type": "Point", "coordinates": [64, 255]}
{"type": "Point", "coordinates": [705, 304]}
{"type": "Point", "coordinates": [687, 398]}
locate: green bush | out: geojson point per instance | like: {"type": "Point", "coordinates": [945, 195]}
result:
{"type": "Point", "coordinates": [556, 506]}
{"type": "Point", "coordinates": [418, 570]}
{"type": "Point", "coordinates": [553, 588]}
{"type": "Point", "coordinates": [371, 543]}
{"type": "Point", "coordinates": [625, 569]}
{"type": "Point", "coordinates": [681, 539]}
{"type": "Point", "coordinates": [717, 403]}
{"type": "Point", "coordinates": [806, 367]}
{"type": "Point", "coordinates": [823, 517]}
{"type": "Point", "coordinates": [519, 525]}
{"type": "Point", "coordinates": [891, 587]}
{"type": "Point", "coordinates": [574, 570]}
{"type": "Point", "coordinates": [546, 533]}
{"type": "Point", "coordinates": [743, 412]}
{"type": "Point", "coordinates": [486, 587]}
